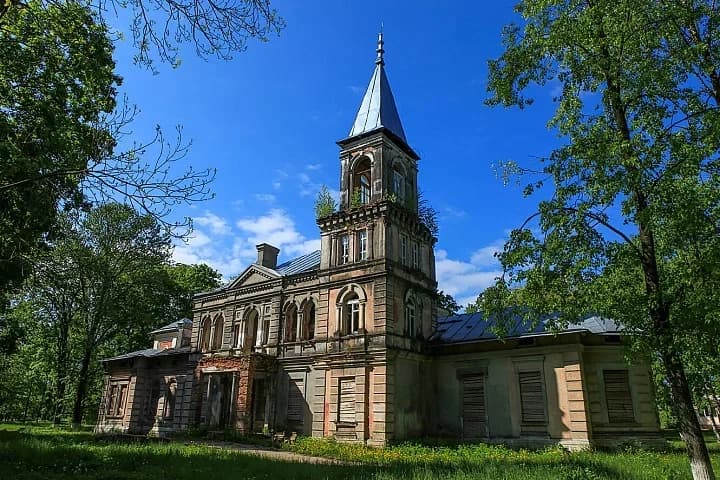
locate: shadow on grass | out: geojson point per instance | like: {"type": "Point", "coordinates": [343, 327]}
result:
{"type": "Point", "coordinates": [33, 455]}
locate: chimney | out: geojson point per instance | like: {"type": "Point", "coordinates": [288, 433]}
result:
{"type": "Point", "coordinates": [267, 255]}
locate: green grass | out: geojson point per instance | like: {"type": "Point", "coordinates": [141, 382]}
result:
{"type": "Point", "coordinates": [47, 453]}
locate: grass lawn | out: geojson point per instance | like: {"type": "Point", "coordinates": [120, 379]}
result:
{"type": "Point", "coordinates": [46, 453]}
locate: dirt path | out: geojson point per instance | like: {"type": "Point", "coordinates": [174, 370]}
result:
{"type": "Point", "coordinates": [272, 453]}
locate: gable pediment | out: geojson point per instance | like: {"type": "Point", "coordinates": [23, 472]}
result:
{"type": "Point", "coordinates": [252, 275]}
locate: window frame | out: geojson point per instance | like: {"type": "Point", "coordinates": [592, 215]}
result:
{"type": "Point", "coordinates": [362, 244]}
{"type": "Point", "coordinates": [403, 249]}
{"type": "Point", "coordinates": [344, 251]}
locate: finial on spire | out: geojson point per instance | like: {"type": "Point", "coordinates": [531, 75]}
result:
{"type": "Point", "coordinates": [380, 51]}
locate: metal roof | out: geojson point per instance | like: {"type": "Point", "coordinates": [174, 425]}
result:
{"type": "Point", "coordinates": [173, 326]}
{"type": "Point", "coordinates": [308, 262]}
{"type": "Point", "coordinates": [471, 327]}
{"type": "Point", "coordinates": [149, 352]}
{"type": "Point", "coordinates": [378, 109]}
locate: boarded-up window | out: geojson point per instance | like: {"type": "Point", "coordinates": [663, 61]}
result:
{"type": "Point", "coordinates": [618, 396]}
{"type": "Point", "coordinates": [473, 407]}
{"type": "Point", "coordinates": [295, 401]}
{"type": "Point", "coordinates": [117, 394]}
{"type": "Point", "coordinates": [346, 400]}
{"type": "Point", "coordinates": [532, 399]}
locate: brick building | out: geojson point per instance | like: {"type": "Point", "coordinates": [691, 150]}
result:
{"type": "Point", "coordinates": [346, 341]}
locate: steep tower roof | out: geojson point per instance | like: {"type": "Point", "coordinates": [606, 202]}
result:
{"type": "Point", "coordinates": [378, 109]}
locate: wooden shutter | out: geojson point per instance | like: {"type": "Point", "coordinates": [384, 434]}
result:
{"type": "Point", "coordinates": [346, 401]}
{"type": "Point", "coordinates": [532, 399]}
{"type": "Point", "coordinates": [618, 397]}
{"type": "Point", "coordinates": [473, 407]}
{"type": "Point", "coordinates": [295, 401]}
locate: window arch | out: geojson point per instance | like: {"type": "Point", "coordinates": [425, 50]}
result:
{"type": "Point", "coordinates": [218, 330]}
{"type": "Point", "coordinates": [308, 326]}
{"type": "Point", "coordinates": [351, 310]}
{"type": "Point", "coordinates": [291, 323]}
{"type": "Point", "coordinates": [205, 335]}
{"type": "Point", "coordinates": [361, 181]}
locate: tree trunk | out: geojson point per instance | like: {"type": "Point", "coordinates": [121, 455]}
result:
{"type": "Point", "coordinates": [688, 425]}
{"type": "Point", "coordinates": [714, 424]}
{"type": "Point", "coordinates": [61, 366]}
{"type": "Point", "coordinates": [81, 388]}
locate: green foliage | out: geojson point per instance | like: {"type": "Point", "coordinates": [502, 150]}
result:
{"type": "Point", "coordinates": [630, 230]}
{"type": "Point", "coordinates": [41, 452]}
{"type": "Point", "coordinates": [428, 215]}
{"type": "Point", "coordinates": [56, 84]}
{"type": "Point", "coordinates": [188, 280]}
{"type": "Point", "coordinates": [446, 302]}
{"type": "Point", "coordinates": [356, 199]}
{"type": "Point", "coordinates": [325, 204]}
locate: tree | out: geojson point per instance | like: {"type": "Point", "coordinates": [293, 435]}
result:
{"type": "Point", "coordinates": [446, 302]}
{"type": "Point", "coordinates": [215, 28]}
{"type": "Point", "coordinates": [325, 204]}
{"type": "Point", "coordinates": [56, 83]}
{"type": "Point", "coordinates": [188, 280]}
{"type": "Point", "coordinates": [631, 229]}
{"type": "Point", "coordinates": [60, 126]}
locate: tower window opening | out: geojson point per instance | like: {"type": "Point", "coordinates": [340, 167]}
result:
{"type": "Point", "coordinates": [399, 184]}
{"type": "Point", "coordinates": [403, 249]}
{"type": "Point", "coordinates": [361, 181]}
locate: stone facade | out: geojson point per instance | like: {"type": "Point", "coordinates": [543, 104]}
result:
{"type": "Point", "coordinates": [347, 343]}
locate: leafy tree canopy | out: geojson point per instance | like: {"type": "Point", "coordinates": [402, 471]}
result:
{"type": "Point", "coordinates": [631, 229]}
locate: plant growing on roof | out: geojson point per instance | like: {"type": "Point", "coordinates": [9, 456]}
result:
{"type": "Point", "coordinates": [325, 204]}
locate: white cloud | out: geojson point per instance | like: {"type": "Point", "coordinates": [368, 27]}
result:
{"type": "Point", "coordinates": [217, 225]}
{"type": "Point", "coordinates": [211, 242]}
{"type": "Point", "coordinates": [464, 280]}
{"type": "Point", "coordinates": [265, 197]}
{"type": "Point", "coordinates": [313, 166]}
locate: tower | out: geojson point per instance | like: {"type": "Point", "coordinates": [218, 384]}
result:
{"type": "Point", "coordinates": [378, 264]}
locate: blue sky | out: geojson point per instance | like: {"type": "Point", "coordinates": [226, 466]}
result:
{"type": "Point", "coordinates": [268, 121]}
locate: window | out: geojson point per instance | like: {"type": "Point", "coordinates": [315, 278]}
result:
{"type": "Point", "coordinates": [474, 415]}
{"type": "Point", "coordinates": [218, 333]}
{"type": "Point", "coordinates": [237, 340]}
{"type": "Point", "coordinates": [205, 335]}
{"type": "Point", "coordinates": [410, 318]}
{"type": "Point", "coordinates": [618, 396]}
{"type": "Point", "coordinates": [532, 397]}
{"type": "Point", "coordinates": [291, 323]}
{"type": "Point", "coordinates": [415, 256]}
{"type": "Point", "coordinates": [169, 404]}
{"type": "Point", "coordinates": [361, 181]}
{"type": "Point", "coordinates": [308, 330]}
{"type": "Point", "coordinates": [265, 332]}
{"type": "Point", "coordinates": [344, 250]}
{"type": "Point", "coordinates": [399, 184]}
{"type": "Point", "coordinates": [403, 249]}
{"type": "Point", "coordinates": [362, 245]}
{"type": "Point", "coordinates": [352, 314]}
{"type": "Point", "coordinates": [117, 393]}
{"type": "Point", "coordinates": [346, 400]}
{"type": "Point", "coordinates": [296, 400]}
{"type": "Point", "coordinates": [251, 325]}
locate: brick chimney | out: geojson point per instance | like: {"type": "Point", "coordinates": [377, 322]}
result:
{"type": "Point", "coordinates": [267, 255]}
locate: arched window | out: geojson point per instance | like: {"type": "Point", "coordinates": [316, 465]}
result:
{"type": "Point", "coordinates": [361, 181]}
{"type": "Point", "coordinates": [398, 182]}
{"type": "Point", "coordinates": [218, 333]}
{"type": "Point", "coordinates": [205, 335]}
{"type": "Point", "coordinates": [291, 321]}
{"type": "Point", "coordinates": [352, 314]}
{"type": "Point", "coordinates": [308, 327]}
{"type": "Point", "coordinates": [410, 317]}
{"type": "Point", "coordinates": [251, 327]}
{"type": "Point", "coordinates": [169, 404]}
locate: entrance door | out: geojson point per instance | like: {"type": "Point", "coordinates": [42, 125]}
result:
{"type": "Point", "coordinates": [220, 399]}
{"type": "Point", "coordinates": [259, 404]}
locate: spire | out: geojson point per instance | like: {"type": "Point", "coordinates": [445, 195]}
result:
{"type": "Point", "coordinates": [377, 109]}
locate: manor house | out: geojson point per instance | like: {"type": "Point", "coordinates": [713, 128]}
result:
{"type": "Point", "coordinates": [347, 342]}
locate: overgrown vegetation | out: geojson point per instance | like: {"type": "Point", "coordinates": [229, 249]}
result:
{"type": "Point", "coordinates": [325, 204]}
{"type": "Point", "coordinates": [42, 452]}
